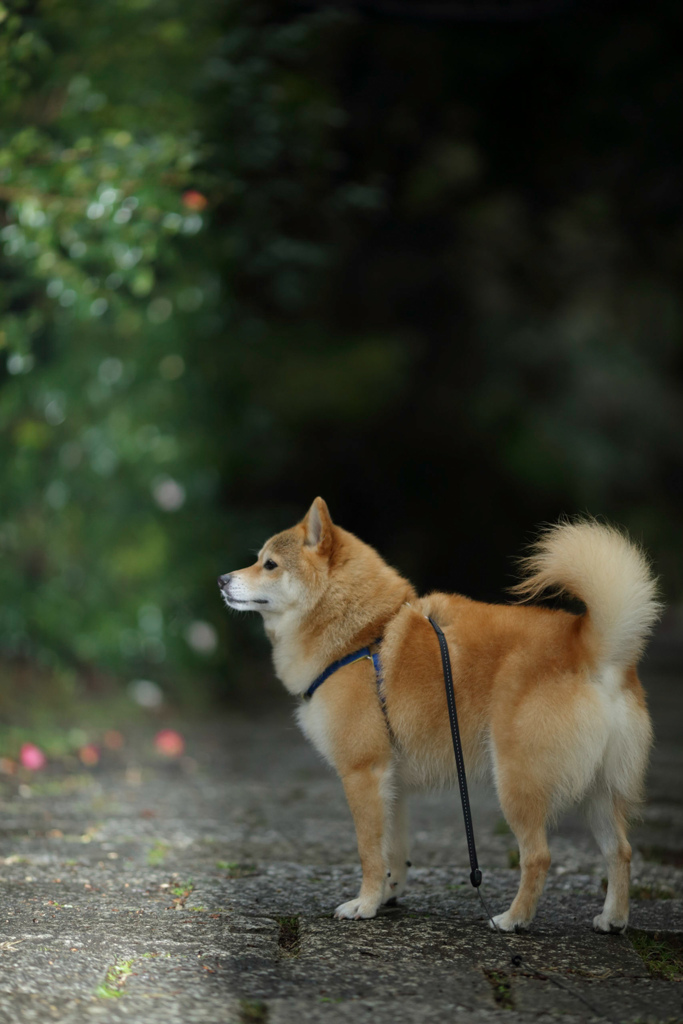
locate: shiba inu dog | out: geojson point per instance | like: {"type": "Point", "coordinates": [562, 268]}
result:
{"type": "Point", "coordinates": [548, 701]}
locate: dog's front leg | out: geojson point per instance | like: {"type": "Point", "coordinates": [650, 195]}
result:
{"type": "Point", "coordinates": [364, 788]}
{"type": "Point", "coordinates": [398, 848]}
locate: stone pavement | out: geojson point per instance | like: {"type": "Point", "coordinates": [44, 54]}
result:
{"type": "Point", "coordinates": [201, 890]}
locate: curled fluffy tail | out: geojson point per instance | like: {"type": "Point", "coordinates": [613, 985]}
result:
{"type": "Point", "coordinates": [608, 572]}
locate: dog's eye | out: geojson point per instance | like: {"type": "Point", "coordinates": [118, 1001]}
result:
{"type": "Point", "coordinates": [270, 564]}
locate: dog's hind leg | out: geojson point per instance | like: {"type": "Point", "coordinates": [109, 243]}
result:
{"type": "Point", "coordinates": [368, 796]}
{"type": "Point", "coordinates": [617, 792]}
{"type": "Point", "coordinates": [607, 822]}
{"type": "Point", "coordinates": [398, 846]}
{"type": "Point", "coordinates": [526, 814]}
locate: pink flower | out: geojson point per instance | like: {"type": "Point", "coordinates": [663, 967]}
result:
{"type": "Point", "coordinates": [89, 754]}
{"type": "Point", "coordinates": [194, 200]}
{"type": "Point", "coordinates": [32, 757]}
{"type": "Point", "coordinates": [169, 742]}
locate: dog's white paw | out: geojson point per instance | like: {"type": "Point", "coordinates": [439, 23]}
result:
{"type": "Point", "coordinates": [604, 925]}
{"type": "Point", "coordinates": [356, 910]}
{"type": "Point", "coordinates": [506, 923]}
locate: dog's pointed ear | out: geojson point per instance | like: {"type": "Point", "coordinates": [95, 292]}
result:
{"type": "Point", "coordinates": [319, 527]}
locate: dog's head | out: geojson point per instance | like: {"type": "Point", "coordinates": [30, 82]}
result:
{"type": "Point", "coordinates": [291, 570]}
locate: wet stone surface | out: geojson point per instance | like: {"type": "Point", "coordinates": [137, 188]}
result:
{"type": "Point", "coordinates": [202, 890]}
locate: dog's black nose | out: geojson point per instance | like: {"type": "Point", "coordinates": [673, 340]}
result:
{"type": "Point", "coordinates": [222, 580]}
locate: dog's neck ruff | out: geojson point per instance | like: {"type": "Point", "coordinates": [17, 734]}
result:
{"type": "Point", "coordinates": [364, 652]}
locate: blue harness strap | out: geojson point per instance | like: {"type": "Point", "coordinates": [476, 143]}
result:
{"type": "Point", "coordinates": [378, 676]}
{"type": "Point", "coordinates": [364, 652]}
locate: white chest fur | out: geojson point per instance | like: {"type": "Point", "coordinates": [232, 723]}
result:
{"type": "Point", "coordinates": [312, 716]}
{"type": "Point", "coordinates": [292, 668]}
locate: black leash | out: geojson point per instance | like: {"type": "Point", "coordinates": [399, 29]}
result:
{"type": "Point", "coordinates": [475, 873]}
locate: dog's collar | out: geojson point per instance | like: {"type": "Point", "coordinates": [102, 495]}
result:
{"type": "Point", "coordinates": [364, 652]}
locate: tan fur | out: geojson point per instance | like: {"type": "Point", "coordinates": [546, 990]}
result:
{"type": "Point", "coordinates": [550, 702]}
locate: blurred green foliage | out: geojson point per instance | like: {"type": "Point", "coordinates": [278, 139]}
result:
{"type": "Point", "coordinates": [100, 283]}
{"type": "Point", "coordinates": [123, 397]}
{"type": "Point", "coordinates": [250, 253]}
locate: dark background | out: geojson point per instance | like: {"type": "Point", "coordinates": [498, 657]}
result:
{"type": "Point", "coordinates": [424, 260]}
